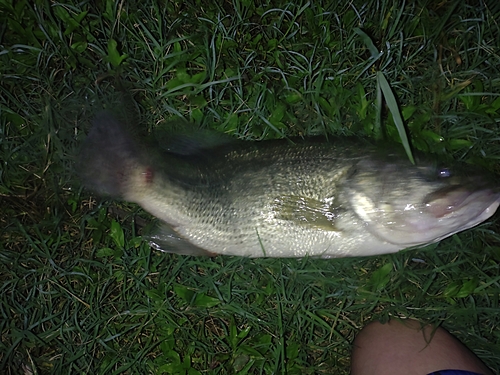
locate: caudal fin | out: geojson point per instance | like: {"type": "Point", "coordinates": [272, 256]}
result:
{"type": "Point", "coordinates": [107, 155]}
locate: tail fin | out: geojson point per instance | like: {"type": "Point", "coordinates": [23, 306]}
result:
{"type": "Point", "coordinates": [106, 156]}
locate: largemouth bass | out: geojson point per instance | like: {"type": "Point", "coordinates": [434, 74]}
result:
{"type": "Point", "coordinates": [279, 199]}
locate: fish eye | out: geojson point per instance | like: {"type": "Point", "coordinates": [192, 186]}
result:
{"type": "Point", "coordinates": [444, 173]}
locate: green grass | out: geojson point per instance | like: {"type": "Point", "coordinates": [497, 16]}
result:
{"type": "Point", "coordinates": [81, 293]}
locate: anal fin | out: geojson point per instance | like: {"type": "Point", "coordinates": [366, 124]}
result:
{"type": "Point", "coordinates": [165, 238]}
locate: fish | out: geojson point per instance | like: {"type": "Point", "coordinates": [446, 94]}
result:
{"type": "Point", "coordinates": [280, 198]}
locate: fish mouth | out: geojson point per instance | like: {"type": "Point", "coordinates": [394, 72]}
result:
{"type": "Point", "coordinates": [449, 211]}
{"type": "Point", "coordinates": [442, 214]}
{"type": "Point", "coordinates": [449, 200]}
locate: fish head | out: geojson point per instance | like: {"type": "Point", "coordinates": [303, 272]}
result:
{"type": "Point", "coordinates": [414, 205]}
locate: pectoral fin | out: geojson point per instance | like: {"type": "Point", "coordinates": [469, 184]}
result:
{"type": "Point", "coordinates": [306, 211]}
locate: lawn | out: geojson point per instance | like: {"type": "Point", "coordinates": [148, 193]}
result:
{"type": "Point", "coordinates": [82, 293]}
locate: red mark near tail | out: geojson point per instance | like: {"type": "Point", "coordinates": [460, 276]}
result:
{"type": "Point", "coordinates": [149, 175]}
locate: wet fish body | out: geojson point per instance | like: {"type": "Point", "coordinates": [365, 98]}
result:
{"type": "Point", "coordinates": [278, 199]}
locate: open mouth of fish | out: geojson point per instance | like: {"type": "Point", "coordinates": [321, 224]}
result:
{"type": "Point", "coordinates": [454, 208]}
